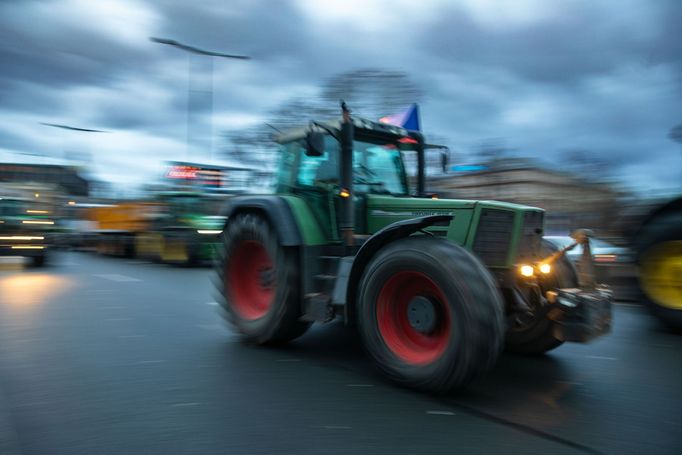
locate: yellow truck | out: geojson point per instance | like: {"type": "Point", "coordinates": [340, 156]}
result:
{"type": "Point", "coordinates": [120, 228]}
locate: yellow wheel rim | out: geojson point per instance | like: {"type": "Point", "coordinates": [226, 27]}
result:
{"type": "Point", "coordinates": [661, 274]}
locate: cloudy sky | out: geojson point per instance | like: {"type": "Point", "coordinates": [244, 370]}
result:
{"type": "Point", "coordinates": [543, 77]}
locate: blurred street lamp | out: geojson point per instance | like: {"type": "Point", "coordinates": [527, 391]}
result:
{"type": "Point", "coordinates": [71, 128]}
{"type": "Point", "coordinates": [191, 93]}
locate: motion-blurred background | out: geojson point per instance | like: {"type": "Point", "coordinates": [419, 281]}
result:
{"type": "Point", "coordinates": [570, 106]}
{"type": "Point", "coordinates": [125, 124]}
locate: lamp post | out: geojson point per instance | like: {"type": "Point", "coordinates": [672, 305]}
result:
{"type": "Point", "coordinates": [71, 128]}
{"type": "Point", "coordinates": [193, 92]}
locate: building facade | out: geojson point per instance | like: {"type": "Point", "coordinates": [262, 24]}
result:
{"type": "Point", "coordinates": [570, 201]}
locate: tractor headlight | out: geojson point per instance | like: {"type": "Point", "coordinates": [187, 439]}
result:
{"type": "Point", "coordinates": [545, 269]}
{"type": "Point", "coordinates": [526, 271]}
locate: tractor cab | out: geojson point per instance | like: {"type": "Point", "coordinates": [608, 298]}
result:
{"type": "Point", "coordinates": [311, 168]}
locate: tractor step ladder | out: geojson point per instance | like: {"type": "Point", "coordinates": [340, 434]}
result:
{"type": "Point", "coordinates": [330, 289]}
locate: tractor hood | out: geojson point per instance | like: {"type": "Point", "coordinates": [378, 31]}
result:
{"type": "Point", "coordinates": [410, 207]}
{"type": "Point", "coordinates": [413, 207]}
{"type": "Point", "coordinates": [498, 218]}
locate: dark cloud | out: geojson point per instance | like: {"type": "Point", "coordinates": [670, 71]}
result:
{"type": "Point", "coordinates": [605, 77]}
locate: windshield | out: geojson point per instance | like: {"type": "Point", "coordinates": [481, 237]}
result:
{"type": "Point", "coordinates": [378, 168]}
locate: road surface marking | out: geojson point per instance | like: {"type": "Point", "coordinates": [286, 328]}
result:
{"type": "Point", "coordinates": [359, 385]}
{"type": "Point", "coordinates": [599, 357]}
{"type": "Point", "coordinates": [116, 277]}
{"type": "Point", "coordinates": [441, 413]}
{"type": "Point", "coordinates": [181, 405]}
{"type": "Point", "coordinates": [145, 362]}
{"type": "Point", "coordinates": [212, 303]}
{"type": "Point", "coordinates": [336, 427]}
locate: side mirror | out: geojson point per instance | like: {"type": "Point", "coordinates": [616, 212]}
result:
{"type": "Point", "coordinates": [314, 144]}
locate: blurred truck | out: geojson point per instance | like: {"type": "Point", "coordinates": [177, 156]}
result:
{"type": "Point", "coordinates": [26, 227]}
{"type": "Point", "coordinates": [657, 243]}
{"type": "Point", "coordinates": [179, 228]}
{"type": "Point", "coordinates": [116, 227]}
{"type": "Point", "coordinates": [185, 230]}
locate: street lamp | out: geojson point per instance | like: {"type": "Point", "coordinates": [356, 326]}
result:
{"type": "Point", "coordinates": [71, 128]}
{"type": "Point", "coordinates": [191, 91]}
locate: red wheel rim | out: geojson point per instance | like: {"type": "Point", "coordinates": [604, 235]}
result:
{"type": "Point", "coordinates": [404, 341]}
{"type": "Point", "coordinates": [251, 280]}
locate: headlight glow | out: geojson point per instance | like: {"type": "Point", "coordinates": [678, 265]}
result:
{"type": "Point", "coordinates": [526, 270]}
{"type": "Point", "coordinates": [605, 258]}
{"type": "Point", "coordinates": [209, 231]}
{"type": "Point", "coordinates": [37, 222]}
{"type": "Point", "coordinates": [545, 268]}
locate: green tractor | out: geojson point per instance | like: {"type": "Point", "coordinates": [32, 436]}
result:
{"type": "Point", "coordinates": [437, 288]}
{"type": "Point", "coordinates": [185, 231]}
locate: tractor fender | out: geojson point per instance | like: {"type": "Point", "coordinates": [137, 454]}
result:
{"type": "Point", "coordinates": [377, 241]}
{"type": "Point", "coordinates": [274, 208]}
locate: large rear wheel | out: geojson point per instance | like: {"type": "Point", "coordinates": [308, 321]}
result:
{"type": "Point", "coordinates": [259, 283]}
{"type": "Point", "coordinates": [430, 314]}
{"type": "Point", "coordinates": [660, 270]}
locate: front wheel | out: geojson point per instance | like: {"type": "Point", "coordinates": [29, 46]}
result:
{"type": "Point", "coordinates": [429, 314]}
{"type": "Point", "coordinates": [533, 332]}
{"type": "Point", "coordinates": [259, 283]}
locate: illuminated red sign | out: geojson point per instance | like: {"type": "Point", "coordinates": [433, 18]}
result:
{"type": "Point", "coordinates": [183, 172]}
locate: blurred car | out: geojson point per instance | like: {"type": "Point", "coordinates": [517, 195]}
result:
{"type": "Point", "coordinates": [613, 264]}
{"type": "Point", "coordinates": [25, 229]}
{"type": "Point", "coordinates": [604, 253]}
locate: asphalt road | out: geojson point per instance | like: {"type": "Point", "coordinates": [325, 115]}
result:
{"type": "Point", "coordinates": [101, 355]}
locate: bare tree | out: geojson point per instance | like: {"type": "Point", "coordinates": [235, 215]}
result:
{"type": "Point", "coordinates": [371, 93]}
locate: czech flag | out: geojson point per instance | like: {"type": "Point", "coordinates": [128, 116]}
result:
{"type": "Point", "coordinates": [408, 119]}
